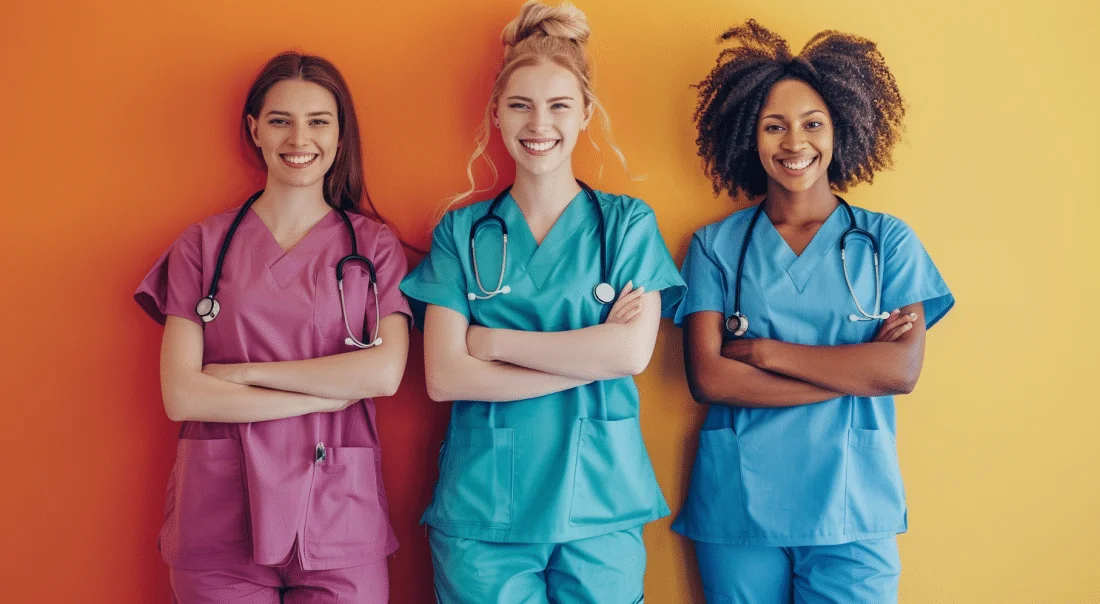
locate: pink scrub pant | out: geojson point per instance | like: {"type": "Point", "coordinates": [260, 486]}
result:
{"type": "Point", "coordinates": [256, 584]}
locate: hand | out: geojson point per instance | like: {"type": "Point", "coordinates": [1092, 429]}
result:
{"type": "Point", "coordinates": [894, 326]}
{"type": "Point", "coordinates": [744, 350]}
{"type": "Point", "coordinates": [628, 305]}
{"type": "Point", "coordinates": [479, 342]}
{"type": "Point", "coordinates": [232, 372]}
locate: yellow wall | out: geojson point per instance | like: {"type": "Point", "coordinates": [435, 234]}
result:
{"type": "Point", "coordinates": [119, 130]}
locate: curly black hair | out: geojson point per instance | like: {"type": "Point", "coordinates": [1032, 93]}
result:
{"type": "Point", "coordinates": [846, 70]}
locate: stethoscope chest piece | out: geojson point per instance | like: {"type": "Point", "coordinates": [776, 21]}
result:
{"type": "Point", "coordinates": [737, 324]}
{"type": "Point", "coordinates": [207, 309]}
{"type": "Point", "coordinates": [604, 293]}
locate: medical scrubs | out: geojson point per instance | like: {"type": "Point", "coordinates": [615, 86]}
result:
{"type": "Point", "coordinates": [554, 469]}
{"type": "Point", "coordinates": [810, 476]}
{"type": "Point", "coordinates": [255, 494]}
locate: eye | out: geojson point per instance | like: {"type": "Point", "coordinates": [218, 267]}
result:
{"type": "Point", "coordinates": [814, 125]}
{"type": "Point", "coordinates": [278, 121]}
{"type": "Point", "coordinates": [517, 105]}
{"type": "Point", "coordinates": [773, 128]}
{"type": "Point", "coordinates": [318, 122]}
{"type": "Point", "coordinates": [560, 106]}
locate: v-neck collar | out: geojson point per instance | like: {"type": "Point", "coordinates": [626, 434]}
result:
{"type": "Point", "coordinates": [540, 259]}
{"type": "Point", "coordinates": [800, 267]}
{"type": "Point", "coordinates": [285, 264]}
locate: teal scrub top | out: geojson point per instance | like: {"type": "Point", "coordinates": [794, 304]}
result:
{"type": "Point", "coordinates": [568, 465]}
{"type": "Point", "coordinates": [820, 474]}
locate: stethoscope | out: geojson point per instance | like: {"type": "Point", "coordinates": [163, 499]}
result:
{"type": "Point", "coordinates": [208, 307]}
{"type": "Point", "coordinates": [603, 292]}
{"type": "Point", "coordinates": [737, 323]}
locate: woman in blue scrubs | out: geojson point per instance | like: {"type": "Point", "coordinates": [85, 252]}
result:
{"type": "Point", "coordinates": [545, 482]}
{"type": "Point", "coordinates": [796, 495]}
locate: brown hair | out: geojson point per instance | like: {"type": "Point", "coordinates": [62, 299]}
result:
{"type": "Point", "coordinates": [344, 186]}
{"type": "Point", "coordinates": [540, 33]}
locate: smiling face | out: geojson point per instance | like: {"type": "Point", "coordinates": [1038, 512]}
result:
{"type": "Point", "coordinates": [297, 132]}
{"type": "Point", "coordinates": [541, 112]}
{"type": "Point", "coordinates": [794, 137]}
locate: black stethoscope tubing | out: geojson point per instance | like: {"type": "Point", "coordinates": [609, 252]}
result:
{"type": "Point", "coordinates": [738, 324]}
{"type": "Point", "coordinates": [207, 308]}
{"type": "Point", "coordinates": [603, 292]}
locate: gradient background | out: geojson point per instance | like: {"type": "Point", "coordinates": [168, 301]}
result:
{"type": "Point", "coordinates": [119, 128]}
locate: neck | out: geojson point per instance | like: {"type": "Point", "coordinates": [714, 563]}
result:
{"type": "Point", "coordinates": [288, 210]}
{"type": "Point", "coordinates": [800, 207]}
{"type": "Point", "coordinates": [545, 195]}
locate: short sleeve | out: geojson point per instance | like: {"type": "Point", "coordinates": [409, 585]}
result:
{"type": "Point", "coordinates": [439, 278]}
{"type": "Point", "coordinates": [391, 267]}
{"type": "Point", "coordinates": [643, 257]}
{"type": "Point", "coordinates": [174, 284]}
{"type": "Point", "coordinates": [704, 281]}
{"type": "Point", "coordinates": [909, 275]}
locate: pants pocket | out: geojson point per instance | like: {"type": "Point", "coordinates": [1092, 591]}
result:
{"type": "Point", "coordinates": [716, 502]}
{"type": "Point", "coordinates": [205, 514]}
{"type": "Point", "coordinates": [614, 480]}
{"type": "Point", "coordinates": [875, 497]}
{"type": "Point", "coordinates": [475, 486]}
{"type": "Point", "coordinates": [345, 516]}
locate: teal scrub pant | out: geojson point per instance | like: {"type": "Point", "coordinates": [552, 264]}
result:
{"type": "Point", "coordinates": [862, 572]}
{"type": "Point", "coordinates": [607, 569]}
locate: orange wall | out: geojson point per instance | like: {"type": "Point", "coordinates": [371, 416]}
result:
{"type": "Point", "coordinates": [119, 127]}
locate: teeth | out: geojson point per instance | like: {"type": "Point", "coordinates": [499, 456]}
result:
{"type": "Point", "coordinates": [300, 159]}
{"type": "Point", "coordinates": [543, 146]}
{"type": "Point", "coordinates": [799, 165]}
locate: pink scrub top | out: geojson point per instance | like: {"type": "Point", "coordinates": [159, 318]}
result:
{"type": "Point", "coordinates": [247, 493]}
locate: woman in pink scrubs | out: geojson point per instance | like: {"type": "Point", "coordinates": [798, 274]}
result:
{"type": "Point", "coordinates": [277, 491]}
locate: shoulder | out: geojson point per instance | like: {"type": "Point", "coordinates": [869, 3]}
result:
{"type": "Point", "coordinates": [615, 205]}
{"type": "Point", "coordinates": [887, 227]}
{"type": "Point", "coordinates": [727, 229]}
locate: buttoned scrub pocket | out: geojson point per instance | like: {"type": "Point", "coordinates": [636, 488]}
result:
{"type": "Point", "coordinates": [475, 483]}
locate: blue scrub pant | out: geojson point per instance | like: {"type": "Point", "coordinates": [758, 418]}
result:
{"type": "Point", "coordinates": [862, 572]}
{"type": "Point", "coordinates": [606, 569]}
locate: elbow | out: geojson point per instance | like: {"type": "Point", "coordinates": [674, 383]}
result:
{"type": "Point", "coordinates": [437, 384]}
{"type": "Point", "coordinates": [385, 382]}
{"type": "Point", "coordinates": [700, 389]}
{"type": "Point", "coordinates": [175, 406]}
{"type": "Point", "coordinates": [637, 363]}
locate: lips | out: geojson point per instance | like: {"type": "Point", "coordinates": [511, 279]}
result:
{"type": "Point", "coordinates": [797, 166]}
{"type": "Point", "coordinates": [298, 160]}
{"type": "Point", "coordinates": [539, 146]}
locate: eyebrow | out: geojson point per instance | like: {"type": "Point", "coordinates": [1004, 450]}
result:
{"type": "Point", "coordinates": [779, 117]}
{"type": "Point", "coordinates": [310, 114]}
{"type": "Point", "coordinates": [553, 100]}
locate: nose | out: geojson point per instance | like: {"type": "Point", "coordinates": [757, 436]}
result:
{"type": "Point", "coordinates": [540, 120]}
{"type": "Point", "coordinates": [299, 135]}
{"type": "Point", "coordinates": [794, 140]}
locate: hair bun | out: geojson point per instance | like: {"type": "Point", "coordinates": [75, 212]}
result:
{"type": "Point", "coordinates": [536, 19]}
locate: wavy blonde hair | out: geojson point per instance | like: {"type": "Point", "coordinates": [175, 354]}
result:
{"type": "Point", "coordinates": [540, 33]}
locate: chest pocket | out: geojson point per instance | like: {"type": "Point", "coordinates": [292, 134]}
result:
{"type": "Point", "coordinates": [358, 296]}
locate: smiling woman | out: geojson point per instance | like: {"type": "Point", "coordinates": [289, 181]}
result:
{"type": "Point", "coordinates": [544, 477]}
{"type": "Point", "coordinates": [276, 495]}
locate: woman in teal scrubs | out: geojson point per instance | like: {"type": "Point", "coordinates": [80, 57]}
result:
{"type": "Point", "coordinates": [545, 482]}
{"type": "Point", "coordinates": [796, 495]}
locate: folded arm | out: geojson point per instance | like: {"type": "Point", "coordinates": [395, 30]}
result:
{"type": "Point", "coordinates": [875, 368]}
{"type": "Point", "coordinates": [453, 374]}
{"type": "Point", "coordinates": [714, 378]}
{"type": "Point", "coordinates": [357, 374]}
{"type": "Point", "coordinates": [620, 347]}
{"type": "Point", "coordinates": [191, 395]}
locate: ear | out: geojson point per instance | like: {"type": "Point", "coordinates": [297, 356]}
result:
{"type": "Point", "coordinates": [254, 130]}
{"type": "Point", "coordinates": [587, 115]}
{"type": "Point", "coordinates": [493, 114]}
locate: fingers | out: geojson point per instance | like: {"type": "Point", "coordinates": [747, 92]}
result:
{"type": "Point", "coordinates": [895, 326]}
{"type": "Point", "coordinates": [628, 305]}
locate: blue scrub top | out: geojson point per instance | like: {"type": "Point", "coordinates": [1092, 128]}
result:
{"type": "Point", "coordinates": [568, 465]}
{"type": "Point", "coordinates": [820, 474]}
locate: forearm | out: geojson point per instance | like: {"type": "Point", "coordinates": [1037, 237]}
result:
{"type": "Point", "coordinates": [869, 369]}
{"type": "Point", "coordinates": [354, 375]}
{"type": "Point", "coordinates": [467, 378]}
{"type": "Point", "coordinates": [727, 382]}
{"type": "Point", "coordinates": [199, 397]}
{"type": "Point", "coordinates": [601, 352]}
